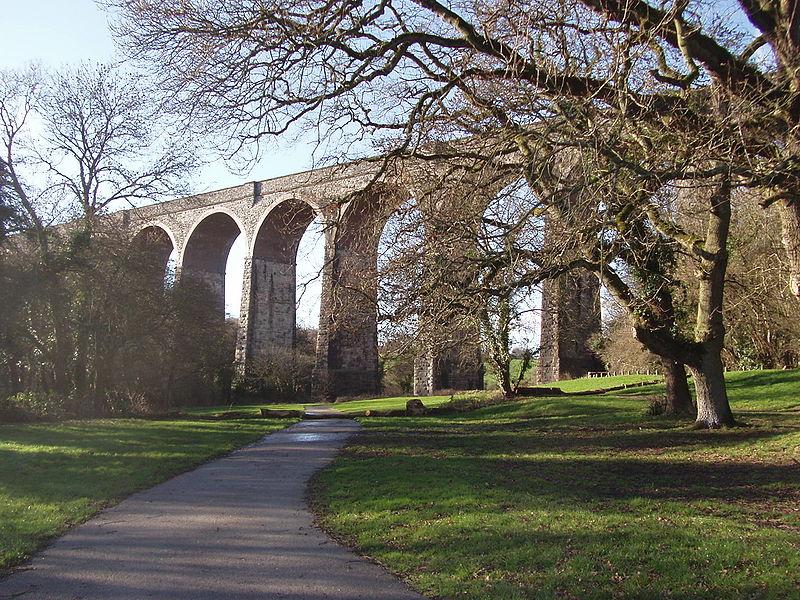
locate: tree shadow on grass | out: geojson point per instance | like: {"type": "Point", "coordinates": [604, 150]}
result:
{"type": "Point", "coordinates": [549, 526]}
{"type": "Point", "coordinates": [586, 479]}
{"type": "Point", "coordinates": [537, 434]}
{"type": "Point", "coordinates": [619, 461]}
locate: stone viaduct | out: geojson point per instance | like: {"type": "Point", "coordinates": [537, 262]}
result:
{"type": "Point", "coordinates": [354, 203]}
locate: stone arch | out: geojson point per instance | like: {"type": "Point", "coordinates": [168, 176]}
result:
{"type": "Point", "coordinates": [270, 280]}
{"type": "Point", "coordinates": [206, 250]}
{"type": "Point", "coordinates": [154, 243]}
{"type": "Point", "coordinates": [448, 354]}
{"type": "Point", "coordinates": [279, 231]}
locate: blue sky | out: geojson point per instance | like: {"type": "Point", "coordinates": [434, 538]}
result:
{"type": "Point", "coordinates": [53, 32]}
{"type": "Point", "coordinates": [63, 32]}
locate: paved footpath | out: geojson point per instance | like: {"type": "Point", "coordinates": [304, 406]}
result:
{"type": "Point", "coordinates": [234, 528]}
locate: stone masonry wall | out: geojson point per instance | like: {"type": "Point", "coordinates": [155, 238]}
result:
{"type": "Point", "coordinates": [267, 319]}
{"type": "Point", "coordinates": [570, 317]}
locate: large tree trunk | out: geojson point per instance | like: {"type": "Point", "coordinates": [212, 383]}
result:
{"type": "Point", "coordinates": [713, 409]}
{"type": "Point", "coordinates": [790, 222]}
{"type": "Point", "coordinates": [504, 379]}
{"type": "Point", "coordinates": [679, 399]}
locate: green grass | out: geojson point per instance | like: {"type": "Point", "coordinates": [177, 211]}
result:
{"type": "Point", "coordinates": [351, 407]}
{"type": "Point", "coordinates": [53, 476]}
{"type": "Point", "coordinates": [586, 384]}
{"type": "Point", "coordinates": [764, 390]}
{"type": "Point", "coordinates": [580, 497]}
{"type": "Point", "coordinates": [751, 393]}
{"type": "Point", "coordinates": [253, 409]}
{"type": "Point", "coordinates": [357, 407]}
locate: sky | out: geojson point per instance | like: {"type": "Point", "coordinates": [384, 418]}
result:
{"type": "Point", "coordinates": [67, 32]}
{"type": "Point", "coordinates": [53, 32]}
{"type": "Point", "coordinates": [59, 33]}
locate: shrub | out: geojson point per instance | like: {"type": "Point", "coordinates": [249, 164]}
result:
{"type": "Point", "coordinates": [130, 402]}
{"type": "Point", "coordinates": [282, 375]}
{"type": "Point", "coordinates": [34, 406]}
{"type": "Point", "coordinates": [656, 407]}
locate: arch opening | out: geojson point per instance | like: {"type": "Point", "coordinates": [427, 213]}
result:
{"type": "Point", "coordinates": [310, 265]}
{"type": "Point", "coordinates": [347, 356]}
{"type": "Point", "coordinates": [271, 330]}
{"type": "Point", "coordinates": [153, 250]}
{"type": "Point", "coordinates": [205, 258]}
{"type": "Point", "coordinates": [510, 236]}
{"type": "Point", "coordinates": [400, 250]}
{"type": "Point", "coordinates": [234, 276]}
{"type": "Point", "coordinates": [429, 333]}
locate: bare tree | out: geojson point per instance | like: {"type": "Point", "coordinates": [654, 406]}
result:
{"type": "Point", "coordinates": [760, 314]}
{"type": "Point", "coordinates": [509, 245]}
{"type": "Point", "coordinates": [620, 350]}
{"type": "Point", "coordinates": [11, 219]}
{"type": "Point", "coordinates": [76, 144]}
{"type": "Point", "coordinates": [107, 143]}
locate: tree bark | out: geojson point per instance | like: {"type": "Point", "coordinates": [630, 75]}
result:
{"type": "Point", "coordinates": [790, 224]}
{"type": "Point", "coordinates": [505, 379]}
{"type": "Point", "coordinates": [679, 399]}
{"type": "Point", "coordinates": [713, 409]}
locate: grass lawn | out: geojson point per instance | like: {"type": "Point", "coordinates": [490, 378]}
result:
{"type": "Point", "coordinates": [357, 407]}
{"type": "Point", "coordinates": [53, 476]}
{"type": "Point", "coordinates": [351, 407]}
{"type": "Point", "coordinates": [580, 497]}
{"type": "Point", "coordinates": [586, 384]}
{"type": "Point", "coordinates": [254, 409]}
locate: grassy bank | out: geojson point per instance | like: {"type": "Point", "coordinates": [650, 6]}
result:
{"type": "Point", "coordinates": [586, 384]}
{"type": "Point", "coordinates": [580, 497]}
{"type": "Point", "coordinates": [357, 407]}
{"type": "Point", "coordinates": [53, 476]}
{"type": "Point", "coordinates": [351, 407]}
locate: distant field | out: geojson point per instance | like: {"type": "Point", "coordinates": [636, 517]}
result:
{"type": "Point", "coordinates": [355, 407]}
{"type": "Point", "coordinates": [352, 407]}
{"type": "Point", "coordinates": [253, 409]}
{"type": "Point", "coordinates": [53, 476]}
{"type": "Point", "coordinates": [586, 384]}
{"type": "Point", "coordinates": [490, 380]}
{"type": "Point", "coordinates": [580, 497]}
